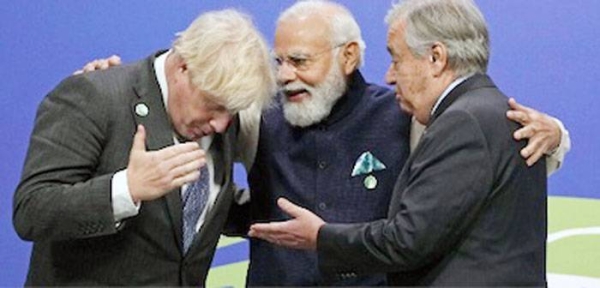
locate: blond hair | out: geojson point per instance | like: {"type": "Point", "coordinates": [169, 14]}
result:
{"type": "Point", "coordinates": [228, 58]}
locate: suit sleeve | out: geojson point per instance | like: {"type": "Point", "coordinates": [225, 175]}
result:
{"type": "Point", "coordinates": [239, 218]}
{"type": "Point", "coordinates": [60, 195]}
{"type": "Point", "coordinates": [448, 182]}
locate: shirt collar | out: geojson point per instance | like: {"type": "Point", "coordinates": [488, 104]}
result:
{"type": "Point", "coordinates": [447, 91]}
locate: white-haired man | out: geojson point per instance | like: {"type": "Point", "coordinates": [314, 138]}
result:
{"type": "Point", "coordinates": [100, 193]}
{"type": "Point", "coordinates": [467, 209]}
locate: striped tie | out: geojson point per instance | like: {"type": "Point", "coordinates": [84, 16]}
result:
{"type": "Point", "coordinates": [195, 198]}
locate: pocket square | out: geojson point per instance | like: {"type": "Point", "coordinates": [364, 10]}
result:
{"type": "Point", "coordinates": [367, 163]}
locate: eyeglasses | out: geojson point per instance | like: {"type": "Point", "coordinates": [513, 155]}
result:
{"type": "Point", "coordinates": [300, 61]}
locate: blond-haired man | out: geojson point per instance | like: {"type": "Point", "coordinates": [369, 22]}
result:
{"type": "Point", "coordinates": [101, 194]}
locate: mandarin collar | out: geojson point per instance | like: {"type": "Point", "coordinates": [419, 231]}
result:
{"type": "Point", "coordinates": [343, 107]}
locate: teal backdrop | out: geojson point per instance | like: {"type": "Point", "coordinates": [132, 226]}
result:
{"type": "Point", "coordinates": [544, 53]}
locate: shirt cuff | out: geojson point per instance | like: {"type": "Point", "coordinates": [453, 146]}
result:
{"type": "Point", "coordinates": [122, 203]}
{"type": "Point", "coordinates": [565, 143]}
{"type": "Point", "coordinates": [556, 157]}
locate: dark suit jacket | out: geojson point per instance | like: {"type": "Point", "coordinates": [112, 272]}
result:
{"type": "Point", "coordinates": [466, 209]}
{"type": "Point", "coordinates": [83, 134]}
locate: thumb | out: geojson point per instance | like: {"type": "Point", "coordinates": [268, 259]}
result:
{"type": "Point", "coordinates": [139, 139]}
{"type": "Point", "coordinates": [290, 208]}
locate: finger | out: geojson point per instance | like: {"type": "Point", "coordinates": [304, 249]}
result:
{"type": "Point", "coordinates": [188, 172]}
{"type": "Point", "coordinates": [252, 233]}
{"type": "Point", "coordinates": [186, 179]}
{"type": "Point", "coordinates": [269, 238]}
{"type": "Point", "coordinates": [255, 233]}
{"type": "Point", "coordinates": [271, 228]}
{"type": "Point", "coordinates": [516, 106]}
{"type": "Point", "coordinates": [96, 65]}
{"type": "Point", "coordinates": [530, 131]}
{"type": "Point", "coordinates": [176, 162]}
{"type": "Point", "coordinates": [290, 208]}
{"type": "Point", "coordinates": [534, 146]}
{"type": "Point", "coordinates": [179, 149]}
{"type": "Point", "coordinates": [139, 140]}
{"type": "Point", "coordinates": [114, 60]}
{"type": "Point", "coordinates": [521, 134]}
{"type": "Point", "coordinates": [89, 67]}
{"type": "Point", "coordinates": [189, 166]}
{"type": "Point", "coordinates": [534, 158]}
{"type": "Point", "coordinates": [103, 64]}
{"type": "Point", "coordinates": [527, 152]}
{"type": "Point", "coordinates": [258, 231]}
{"type": "Point", "coordinates": [178, 171]}
{"type": "Point", "coordinates": [517, 116]}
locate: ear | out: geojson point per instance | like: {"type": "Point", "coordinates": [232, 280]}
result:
{"type": "Point", "coordinates": [438, 58]}
{"type": "Point", "coordinates": [179, 62]}
{"type": "Point", "coordinates": [183, 67]}
{"type": "Point", "coordinates": [350, 57]}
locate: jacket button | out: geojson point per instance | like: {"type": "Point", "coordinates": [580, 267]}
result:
{"type": "Point", "coordinates": [322, 206]}
{"type": "Point", "coordinates": [322, 164]}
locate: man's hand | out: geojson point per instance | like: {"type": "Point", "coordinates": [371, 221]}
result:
{"type": "Point", "coordinates": [100, 64]}
{"type": "Point", "coordinates": [542, 131]}
{"type": "Point", "coordinates": [298, 233]}
{"type": "Point", "coordinates": [151, 174]}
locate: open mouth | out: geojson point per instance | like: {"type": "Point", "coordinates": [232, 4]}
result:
{"type": "Point", "coordinates": [296, 95]}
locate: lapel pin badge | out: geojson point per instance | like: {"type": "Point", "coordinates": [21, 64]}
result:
{"type": "Point", "coordinates": [142, 110]}
{"type": "Point", "coordinates": [366, 164]}
{"type": "Point", "coordinates": [370, 182]}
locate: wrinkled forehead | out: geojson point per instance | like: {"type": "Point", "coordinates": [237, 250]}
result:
{"type": "Point", "coordinates": [301, 35]}
{"type": "Point", "coordinates": [395, 35]}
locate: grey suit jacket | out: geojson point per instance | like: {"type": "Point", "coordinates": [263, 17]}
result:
{"type": "Point", "coordinates": [466, 209]}
{"type": "Point", "coordinates": [83, 134]}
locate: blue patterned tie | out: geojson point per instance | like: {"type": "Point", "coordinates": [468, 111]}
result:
{"type": "Point", "coordinates": [194, 201]}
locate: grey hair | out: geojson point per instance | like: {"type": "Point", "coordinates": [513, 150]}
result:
{"type": "Point", "coordinates": [458, 24]}
{"type": "Point", "coordinates": [343, 27]}
{"type": "Point", "coordinates": [228, 58]}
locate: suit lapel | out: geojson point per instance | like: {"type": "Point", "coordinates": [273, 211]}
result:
{"type": "Point", "coordinates": [149, 110]}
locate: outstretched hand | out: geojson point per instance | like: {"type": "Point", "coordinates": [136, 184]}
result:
{"type": "Point", "coordinates": [151, 174]}
{"type": "Point", "coordinates": [300, 232]}
{"type": "Point", "coordinates": [100, 64]}
{"type": "Point", "coordinates": [542, 132]}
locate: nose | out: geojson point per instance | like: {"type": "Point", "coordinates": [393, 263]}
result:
{"type": "Point", "coordinates": [221, 121]}
{"type": "Point", "coordinates": [390, 75]}
{"type": "Point", "coordinates": [285, 73]}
